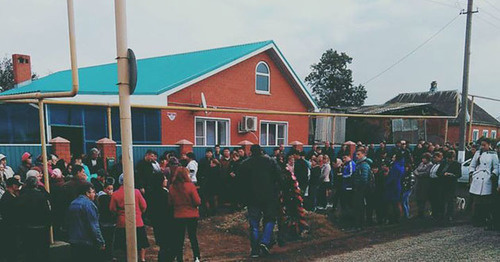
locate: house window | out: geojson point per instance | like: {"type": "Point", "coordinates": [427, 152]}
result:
{"type": "Point", "coordinates": [485, 133]}
{"type": "Point", "coordinates": [475, 135]}
{"type": "Point", "coordinates": [262, 79]}
{"type": "Point", "coordinates": [211, 132]}
{"type": "Point", "coordinates": [494, 134]}
{"type": "Point", "coordinates": [273, 133]}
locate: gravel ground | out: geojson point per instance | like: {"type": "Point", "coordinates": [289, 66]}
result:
{"type": "Point", "coordinates": [459, 243]}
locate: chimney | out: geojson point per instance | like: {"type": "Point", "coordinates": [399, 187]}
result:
{"type": "Point", "coordinates": [22, 69]}
{"type": "Point", "coordinates": [434, 87]}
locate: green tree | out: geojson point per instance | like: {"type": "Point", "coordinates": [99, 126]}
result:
{"type": "Point", "coordinates": [331, 81]}
{"type": "Point", "coordinates": [7, 74]}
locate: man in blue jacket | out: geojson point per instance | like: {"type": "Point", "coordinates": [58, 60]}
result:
{"type": "Point", "coordinates": [361, 185]}
{"type": "Point", "coordinates": [83, 226]}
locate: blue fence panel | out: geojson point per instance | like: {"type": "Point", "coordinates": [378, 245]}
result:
{"type": "Point", "coordinates": [140, 150]}
{"type": "Point", "coordinates": [14, 153]}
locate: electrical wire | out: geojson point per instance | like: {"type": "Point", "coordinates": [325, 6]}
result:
{"type": "Point", "coordinates": [413, 51]}
{"type": "Point", "coordinates": [488, 13]}
{"type": "Point", "coordinates": [492, 5]}
{"type": "Point", "coordinates": [488, 22]}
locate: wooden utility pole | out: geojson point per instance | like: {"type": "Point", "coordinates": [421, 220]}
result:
{"type": "Point", "coordinates": [465, 82]}
{"type": "Point", "coordinates": [126, 127]}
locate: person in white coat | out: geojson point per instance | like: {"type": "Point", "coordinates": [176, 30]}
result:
{"type": "Point", "coordinates": [483, 175]}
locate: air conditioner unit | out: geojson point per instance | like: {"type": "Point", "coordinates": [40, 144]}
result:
{"type": "Point", "coordinates": [248, 124]}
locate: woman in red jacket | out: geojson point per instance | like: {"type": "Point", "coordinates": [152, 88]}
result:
{"type": "Point", "coordinates": [117, 205]}
{"type": "Point", "coordinates": [185, 200]}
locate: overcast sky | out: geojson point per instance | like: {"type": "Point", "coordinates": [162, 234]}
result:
{"type": "Point", "coordinates": [376, 33]}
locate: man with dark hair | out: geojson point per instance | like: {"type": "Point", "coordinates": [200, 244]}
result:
{"type": "Point", "coordinates": [241, 152]}
{"type": "Point", "coordinates": [192, 166]}
{"type": "Point", "coordinates": [328, 150]}
{"type": "Point", "coordinates": [260, 178]}
{"type": "Point", "coordinates": [144, 171]}
{"type": "Point", "coordinates": [276, 153]}
{"type": "Point", "coordinates": [217, 154]}
{"type": "Point", "coordinates": [84, 233]}
{"type": "Point", "coordinates": [8, 243]}
{"type": "Point", "coordinates": [301, 170]}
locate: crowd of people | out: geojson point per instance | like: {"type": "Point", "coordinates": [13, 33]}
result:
{"type": "Point", "coordinates": [85, 202]}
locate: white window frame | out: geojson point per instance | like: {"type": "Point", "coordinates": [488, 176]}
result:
{"type": "Point", "coordinates": [494, 134]}
{"type": "Point", "coordinates": [276, 135]}
{"type": "Point", "coordinates": [268, 75]}
{"type": "Point", "coordinates": [475, 134]}
{"type": "Point", "coordinates": [216, 119]}
{"type": "Point", "coordinates": [486, 132]}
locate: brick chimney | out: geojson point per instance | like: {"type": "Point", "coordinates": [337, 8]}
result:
{"type": "Point", "coordinates": [22, 69]}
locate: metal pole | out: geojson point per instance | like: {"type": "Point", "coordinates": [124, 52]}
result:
{"type": "Point", "coordinates": [333, 130]}
{"type": "Point", "coordinates": [465, 83]}
{"type": "Point", "coordinates": [41, 117]}
{"type": "Point", "coordinates": [110, 128]}
{"type": "Point", "coordinates": [471, 119]}
{"type": "Point", "coordinates": [126, 128]}
{"type": "Point", "coordinates": [446, 132]}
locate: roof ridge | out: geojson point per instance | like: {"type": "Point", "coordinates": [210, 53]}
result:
{"type": "Point", "coordinates": [170, 55]}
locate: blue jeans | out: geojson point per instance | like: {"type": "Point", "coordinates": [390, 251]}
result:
{"type": "Point", "coordinates": [406, 203]}
{"type": "Point", "coordinates": [255, 214]}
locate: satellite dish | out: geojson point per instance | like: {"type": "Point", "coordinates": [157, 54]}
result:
{"type": "Point", "coordinates": [132, 70]}
{"type": "Point", "coordinates": [203, 102]}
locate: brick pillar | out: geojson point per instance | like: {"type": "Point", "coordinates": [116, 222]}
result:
{"type": "Point", "coordinates": [297, 145]}
{"type": "Point", "coordinates": [108, 150]}
{"type": "Point", "coordinates": [61, 147]}
{"type": "Point", "coordinates": [352, 147]}
{"type": "Point", "coordinates": [185, 146]}
{"type": "Point", "coordinates": [245, 144]}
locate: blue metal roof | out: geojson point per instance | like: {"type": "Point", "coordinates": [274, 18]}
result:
{"type": "Point", "coordinates": [156, 75]}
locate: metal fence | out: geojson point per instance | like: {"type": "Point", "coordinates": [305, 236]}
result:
{"type": "Point", "coordinates": [140, 150]}
{"type": "Point", "coordinates": [14, 153]}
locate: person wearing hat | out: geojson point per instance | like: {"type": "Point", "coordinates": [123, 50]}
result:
{"type": "Point", "coordinates": [26, 164]}
{"type": "Point", "coordinates": [8, 243]}
{"type": "Point", "coordinates": [94, 162]}
{"type": "Point", "coordinates": [6, 171]}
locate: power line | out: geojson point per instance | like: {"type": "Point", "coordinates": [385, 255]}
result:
{"type": "Point", "coordinates": [440, 3]}
{"type": "Point", "coordinates": [488, 22]}
{"type": "Point", "coordinates": [488, 13]}
{"type": "Point", "coordinates": [492, 5]}
{"type": "Point", "coordinates": [413, 51]}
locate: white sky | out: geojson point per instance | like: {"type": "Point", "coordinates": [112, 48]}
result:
{"type": "Point", "coordinates": [376, 33]}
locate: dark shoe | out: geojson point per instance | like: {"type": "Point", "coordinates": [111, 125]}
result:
{"type": "Point", "coordinates": [264, 250]}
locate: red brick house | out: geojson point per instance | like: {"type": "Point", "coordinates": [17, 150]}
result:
{"type": "Point", "coordinates": [252, 76]}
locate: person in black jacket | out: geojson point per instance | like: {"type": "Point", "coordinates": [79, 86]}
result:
{"type": "Point", "coordinates": [8, 202]}
{"type": "Point", "coordinates": [35, 220]}
{"type": "Point", "coordinates": [314, 183]}
{"type": "Point", "coordinates": [261, 179]}
{"type": "Point", "coordinates": [94, 162]}
{"type": "Point", "coordinates": [144, 172]}
{"type": "Point", "coordinates": [162, 218]}
{"type": "Point", "coordinates": [448, 173]}
{"type": "Point", "coordinates": [301, 170]}
{"type": "Point", "coordinates": [107, 219]}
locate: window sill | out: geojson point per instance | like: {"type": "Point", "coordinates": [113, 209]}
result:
{"type": "Point", "coordinates": [263, 93]}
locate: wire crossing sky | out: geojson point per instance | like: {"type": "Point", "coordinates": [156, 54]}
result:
{"type": "Point", "coordinates": [375, 33]}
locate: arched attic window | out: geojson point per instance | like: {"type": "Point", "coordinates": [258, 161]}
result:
{"type": "Point", "coordinates": [262, 78]}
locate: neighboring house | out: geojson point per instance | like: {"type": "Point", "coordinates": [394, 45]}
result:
{"type": "Point", "coordinates": [252, 76]}
{"type": "Point", "coordinates": [432, 103]}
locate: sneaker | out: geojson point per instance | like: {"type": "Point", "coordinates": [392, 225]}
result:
{"type": "Point", "coordinates": [254, 253]}
{"type": "Point", "coordinates": [264, 249]}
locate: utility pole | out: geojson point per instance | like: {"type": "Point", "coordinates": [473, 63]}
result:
{"type": "Point", "coordinates": [465, 82]}
{"type": "Point", "coordinates": [126, 127]}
